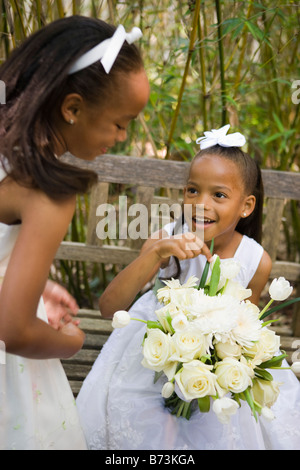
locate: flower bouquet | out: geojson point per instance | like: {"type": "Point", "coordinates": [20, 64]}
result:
{"type": "Point", "coordinates": [212, 345]}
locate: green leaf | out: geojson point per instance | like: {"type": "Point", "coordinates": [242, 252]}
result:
{"type": "Point", "coordinates": [274, 362]}
{"type": "Point", "coordinates": [206, 268]}
{"type": "Point", "coordinates": [278, 307]}
{"type": "Point", "coordinates": [169, 320]}
{"type": "Point", "coordinates": [215, 278]}
{"type": "Point", "coordinates": [204, 404]}
{"type": "Point", "coordinates": [154, 324]}
{"type": "Point", "coordinates": [263, 374]}
{"type": "Point", "coordinates": [250, 402]}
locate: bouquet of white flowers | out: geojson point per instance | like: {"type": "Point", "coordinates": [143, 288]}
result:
{"type": "Point", "coordinates": [212, 345]}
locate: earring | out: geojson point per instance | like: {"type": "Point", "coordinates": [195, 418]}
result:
{"type": "Point", "coordinates": [244, 214]}
{"type": "Point", "coordinates": [71, 122]}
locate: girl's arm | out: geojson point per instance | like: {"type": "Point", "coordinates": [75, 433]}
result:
{"type": "Point", "coordinates": [44, 223]}
{"type": "Point", "coordinates": [122, 291]}
{"type": "Point", "coordinates": [260, 278]}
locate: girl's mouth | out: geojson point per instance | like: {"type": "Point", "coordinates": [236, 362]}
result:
{"type": "Point", "coordinates": [202, 221]}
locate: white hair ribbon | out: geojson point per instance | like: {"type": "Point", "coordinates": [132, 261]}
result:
{"type": "Point", "coordinates": [107, 51]}
{"type": "Point", "coordinates": [218, 136]}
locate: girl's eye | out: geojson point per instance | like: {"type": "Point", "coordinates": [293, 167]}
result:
{"type": "Point", "coordinates": [192, 190]}
{"type": "Point", "coordinates": [220, 195]}
{"type": "Point", "coordinates": [120, 127]}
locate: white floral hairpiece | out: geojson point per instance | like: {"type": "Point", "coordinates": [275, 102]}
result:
{"type": "Point", "coordinates": [218, 136]}
{"type": "Point", "coordinates": [107, 50]}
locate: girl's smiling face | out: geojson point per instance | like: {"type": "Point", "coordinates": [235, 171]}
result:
{"type": "Point", "coordinates": [216, 185]}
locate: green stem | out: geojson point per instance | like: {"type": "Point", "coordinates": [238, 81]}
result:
{"type": "Point", "coordinates": [265, 308]}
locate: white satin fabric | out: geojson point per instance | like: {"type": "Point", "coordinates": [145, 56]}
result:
{"type": "Point", "coordinates": [121, 408]}
{"type": "Point", "coordinates": [37, 407]}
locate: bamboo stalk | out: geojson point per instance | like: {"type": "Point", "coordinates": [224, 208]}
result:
{"type": "Point", "coordinates": [221, 59]}
{"type": "Point", "coordinates": [60, 8]}
{"type": "Point", "coordinates": [185, 73]}
{"type": "Point", "coordinates": [203, 73]}
{"type": "Point", "coordinates": [243, 49]}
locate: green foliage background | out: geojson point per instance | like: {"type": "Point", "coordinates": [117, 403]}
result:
{"type": "Point", "coordinates": [209, 62]}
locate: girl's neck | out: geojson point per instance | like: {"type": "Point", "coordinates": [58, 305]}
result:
{"type": "Point", "coordinates": [226, 245]}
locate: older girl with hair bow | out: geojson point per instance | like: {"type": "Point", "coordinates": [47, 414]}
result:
{"type": "Point", "coordinates": [73, 86]}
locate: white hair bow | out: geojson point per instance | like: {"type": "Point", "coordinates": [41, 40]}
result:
{"type": "Point", "coordinates": [218, 136]}
{"type": "Point", "coordinates": [106, 51]}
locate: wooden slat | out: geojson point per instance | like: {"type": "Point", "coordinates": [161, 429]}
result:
{"type": "Point", "coordinates": [75, 251]}
{"type": "Point", "coordinates": [172, 174]}
{"type": "Point", "coordinates": [272, 226]}
{"type": "Point", "coordinates": [289, 270]}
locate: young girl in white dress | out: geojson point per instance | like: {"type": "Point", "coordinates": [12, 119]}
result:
{"type": "Point", "coordinates": [58, 99]}
{"type": "Point", "coordinates": [119, 404]}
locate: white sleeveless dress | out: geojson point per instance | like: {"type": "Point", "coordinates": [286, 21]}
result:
{"type": "Point", "coordinates": [37, 407]}
{"type": "Point", "coordinates": [121, 408]}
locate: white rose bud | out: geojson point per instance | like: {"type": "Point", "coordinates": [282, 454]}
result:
{"type": "Point", "coordinates": [280, 289]}
{"type": "Point", "coordinates": [180, 322]}
{"type": "Point", "coordinates": [224, 408]}
{"type": "Point", "coordinates": [120, 319]}
{"type": "Point", "coordinates": [168, 389]}
{"type": "Point", "coordinates": [296, 367]}
{"type": "Point", "coordinates": [267, 413]}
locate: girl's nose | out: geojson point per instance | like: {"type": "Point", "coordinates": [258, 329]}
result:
{"type": "Point", "coordinates": [122, 135]}
{"type": "Point", "coordinates": [203, 200]}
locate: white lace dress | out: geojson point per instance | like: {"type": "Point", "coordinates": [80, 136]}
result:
{"type": "Point", "coordinates": [121, 408]}
{"type": "Point", "coordinates": [37, 407]}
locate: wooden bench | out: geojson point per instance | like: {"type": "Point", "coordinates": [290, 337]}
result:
{"type": "Point", "coordinates": [156, 181]}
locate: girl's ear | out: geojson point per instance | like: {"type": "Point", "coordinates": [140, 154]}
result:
{"type": "Point", "coordinates": [71, 107]}
{"type": "Point", "coordinates": [249, 205]}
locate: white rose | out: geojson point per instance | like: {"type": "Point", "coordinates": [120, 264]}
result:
{"type": "Point", "coordinates": [264, 349]}
{"type": "Point", "coordinates": [265, 392]}
{"type": "Point", "coordinates": [224, 408]}
{"type": "Point", "coordinates": [280, 289]}
{"type": "Point", "coordinates": [228, 350]}
{"type": "Point", "coordinates": [233, 375]}
{"type": "Point", "coordinates": [167, 390]}
{"type": "Point", "coordinates": [195, 380]}
{"type": "Point", "coordinates": [189, 344]}
{"type": "Point", "coordinates": [157, 349]}
{"type": "Point", "coordinates": [120, 319]}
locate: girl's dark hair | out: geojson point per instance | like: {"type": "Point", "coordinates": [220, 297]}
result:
{"type": "Point", "coordinates": [37, 80]}
{"type": "Point", "coordinates": [253, 185]}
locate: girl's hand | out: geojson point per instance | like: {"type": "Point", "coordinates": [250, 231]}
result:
{"type": "Point", "coordinates": [60, 305]}
{"type": "Point", "coordinates": [183, 246]}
